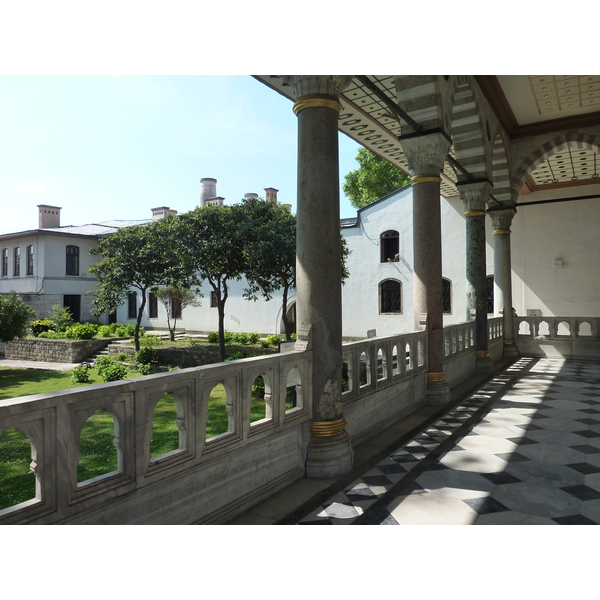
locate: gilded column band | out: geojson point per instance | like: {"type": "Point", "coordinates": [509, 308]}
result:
{"type": "Point", "coordinates": [317, 101]}
{"type": "Point", "coordinates": [502, 232]}
{"type": "Point", "coordinates": [425, 178]}
{"type": "Point", "coordinates": [328, 428]}
{"type": "Point", "coordinates": [482, 354]}
{"type": "Point", "coordinates": [475, 213]}
{"type": "Point", "coordinates": [435, 376]}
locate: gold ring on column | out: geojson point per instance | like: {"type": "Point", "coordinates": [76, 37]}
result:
{"type": "Point", "coordinates": [316, 101]}
{"type": "Point", "coordinates": [482, 354]}
{"type": "Point", "coordinates": [502, 232]}
{"type": "Point", "coordinates": [509, 342]}
{"type": "Point", "coordinates": [425, 179]}
{"type": "Point", "coordinates": [475, 213]}
{"type": "Point", "coordinates": [435, 376]}
{"type": "Point", "coordinates": [328, 428]}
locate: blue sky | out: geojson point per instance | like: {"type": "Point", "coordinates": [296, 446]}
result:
{"type": "Point", "coordinates": [113, 147]}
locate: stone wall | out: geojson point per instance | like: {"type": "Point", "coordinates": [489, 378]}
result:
{"type": "Point", "coordinates": [61, 351]}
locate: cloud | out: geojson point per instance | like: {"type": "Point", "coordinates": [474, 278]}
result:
{"type": "Point", "coordinates": [32, 188]}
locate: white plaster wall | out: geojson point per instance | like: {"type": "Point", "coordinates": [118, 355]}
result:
{"type": "Point", "coordinates": [546, 232]}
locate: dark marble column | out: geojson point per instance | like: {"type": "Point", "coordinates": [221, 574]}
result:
{"type": "Point", "coordinates": [475, 196]}
{"type": "Point", "coordinates": [426, 155]}
{"type": "Point", "coordinates": [318, 266]}
{"type": "Point", "coordinates": [501, 220]}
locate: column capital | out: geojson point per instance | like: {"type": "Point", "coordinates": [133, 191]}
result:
{"type": "Point", "coordinates": [475, 195]}
{"type": "Point", "coordinates": [317, 85]}
{"type": "Point", "coordinates": [426, 153]}
{"type": "Point", "coordinates": [501, 219]}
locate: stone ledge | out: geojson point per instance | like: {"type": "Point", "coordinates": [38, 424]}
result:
{"type": "Point", "coordinates": [61, 351]}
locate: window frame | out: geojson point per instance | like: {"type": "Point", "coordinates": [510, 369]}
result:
{"type": "Point", "coordinates": [387, 254]}
{"type": "Point", "coordinates": [17, 262]}
{"type": "Point", "coordinates": [449, 282]}
{"type": "Point", "coordinates": [5, 262]}
{"type": "Point", "coordinates": [29, 267]}
{"type": "Point", "coordinates": [72, 261]}
{"type": "Point", "coordinates": [152, 306]}
{"type": "Point", "coordinates": [490, 294]}
{"type": "Point", "coordinates": [385, 292]}
{"type": "Point", "coordinates": [132, 305]}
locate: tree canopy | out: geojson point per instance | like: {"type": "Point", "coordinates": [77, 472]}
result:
{"type": "Point", "coordinates": [142, 257]}
{"type": "Point", "coordinates": [374, 179]}
{"type": "Point", "coordinates": [15, 316]}
{"type": "Point", "coordinates": [213, 248]}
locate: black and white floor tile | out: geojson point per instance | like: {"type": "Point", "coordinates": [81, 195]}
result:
{"type": "Point", "coordinates": [523, 449]}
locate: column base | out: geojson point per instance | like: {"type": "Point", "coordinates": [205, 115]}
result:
{"type": "Point", "coordinates": [437, 392]}
{"type": "Point", "coordinates": [484, 364]}
{"type": "Point", "coordinates": [329, 456]}
{"type": "Point", "coordinates": [510, 351]}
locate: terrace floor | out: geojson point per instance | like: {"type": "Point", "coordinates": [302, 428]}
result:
{"type": "Point", "coordinates": [521, 446]}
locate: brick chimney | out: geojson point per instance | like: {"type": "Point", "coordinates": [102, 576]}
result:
{"type": "Point", "coordinates": [161, 211]}
{"type": "Point", "coordinates": [271, 195]}
{"type": "Point", "coordinates": [49, 216]}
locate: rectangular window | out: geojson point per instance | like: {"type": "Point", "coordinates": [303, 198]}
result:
{"type": "Point", "coordinates": [29, 260]}
{"type": "Point", "coordinates": [72, 260]}
{"type": "Point", "coordinates": [5, 262]}
{"type": "Point", "coordinates": [17, 265]}
{"type": "Point", "coordinates": [176, 309]}
{"type": "Point", "coordinates": [213, 299]}
{"type": "Point", "coordinates": [132, 305]}
{"type": "Point", "coordinates": [73, 303]}
{"type": "Point", "coordinates": [152, 306]}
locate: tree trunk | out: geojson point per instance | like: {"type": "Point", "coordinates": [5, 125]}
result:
{"type": "Point", "coordinates": [136, 334]}
{"type": "Point", "coordinates": [286, 323]}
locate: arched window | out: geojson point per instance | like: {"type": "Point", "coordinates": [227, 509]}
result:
{"type": "Point", "coordinates": [29, 260]}
{"type": "Point", "coordinates": [72, 260]}
{"type": "Point", "coordinates": [390, 297]}
{"type": "Point", "coordinates": [390, 246]}
{"type": "Point", "coordinates": [490, 293]}
{"type": "Point", "coordinates": [446, 296]}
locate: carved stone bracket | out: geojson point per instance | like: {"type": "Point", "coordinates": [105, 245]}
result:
{"type": "Point", "coordinates": [426, 154]}
{"type": "Point", "coordinates": [475, 196]}
{"type": "Point", "coordinates": [501, 219]}
{"type": "Point", "coordinates": [324, 85]}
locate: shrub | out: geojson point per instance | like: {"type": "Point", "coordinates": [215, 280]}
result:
{"type": "Point", "coordinates": [14, 317]}
{"type": "Point", "coordinates": [173, 368]}
{"type": "Point", "coordinates": [146, 355]}
{"type": "Point", "coordinates": [105, 331]}
{"type": "Point", "coordinates": [102, 363]}
{"type": "Point", "coordinates": [114, 372]}
{"type": "Point", "coordinates": [253, 338]}
{"type": "Point", "coordinates": [61, 317]}
{"type": "Point", "coordinates": [81, 374]}
{"type": "Point", "coordinates": [228, 336]}
{"type": "Point", "coordinates": [213, 337]}
{"type": "Point", "coordinates": [81, 331]}
{"type": "Point", "coordinates": [121, 356]}
{"type": "Point", "coordinates": [273, 340]}
{"type": "Point", "coordinates": [40, 326]}
{"type": "Point", "coordinates": [145, 369]}
{"type": "Point", "coordinates": [51, 335]}
{"type": "Point", "coordinates": [240, 338]}
{"type": "Point", "coordinates": [238, 355]}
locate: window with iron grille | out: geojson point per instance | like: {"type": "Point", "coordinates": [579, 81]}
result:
{"type": "Point", "coordinates": [390, 296]}
{"type": "Point", "coordinates": [446, 296]}
{"type": "Point", "coordinates": [390, 246]}
{"type": "Point", "coordinates": [132, 305]}
{"type": "Point", "coordinates": [17, 263]}
{"type": "Point", "coordinates": [5, 262]}
{"type": "Point", "coordinates": [213, 299]}
{"type": "Point", "coordinates": [176, 309]}
{"type": "Point", "coordinates": [72, 260]}
{"type": "Point", "coordinates": [490, 294]}
{"type": "Point", "coordinates": [29, 260]}
{"type": "Point", "coordinates": [152, 306]}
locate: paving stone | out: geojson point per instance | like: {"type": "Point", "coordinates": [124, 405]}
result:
{"type": "Point", "coordinates": [431, 509]}
{"type": "Point", "coordinates": [536, 499]}
{"type": "Point", "coordinates": [534, 471]}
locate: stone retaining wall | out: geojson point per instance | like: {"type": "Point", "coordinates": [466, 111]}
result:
{"type": "Point", "coordinates": [61, 351]}
{"type": "Point", "coordinates": [183, 357]}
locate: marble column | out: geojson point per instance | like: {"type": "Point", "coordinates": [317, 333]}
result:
{"type": "Point", "coordinates": [318, 266]}
{"type": "Point", "coordinates": [426, 155]}
{"type": "Point", "coordinates": [501, 220]}
{"type": "Point", "coordinates": [475, 196]}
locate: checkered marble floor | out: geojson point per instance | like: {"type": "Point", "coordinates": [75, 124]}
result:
{"type": "Point", "coordinates": [523, 449]}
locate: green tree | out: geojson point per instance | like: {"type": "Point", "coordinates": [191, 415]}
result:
{"type": "Point", "coordinates": [374, 179]}
{"type": "Point", "coordinates": [269, 231]}
{"type": "Point", "coordinates": [213, 248]}
{"type": "Point", "coordinates": [174, 300]}
{"type": "Point", "coordinates": [15, 316]}
{"type": "Point", "coordinates": [142, 257]}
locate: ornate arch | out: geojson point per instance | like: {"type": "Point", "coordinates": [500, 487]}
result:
{"type": "Point", "coordinates": [553, 146]}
